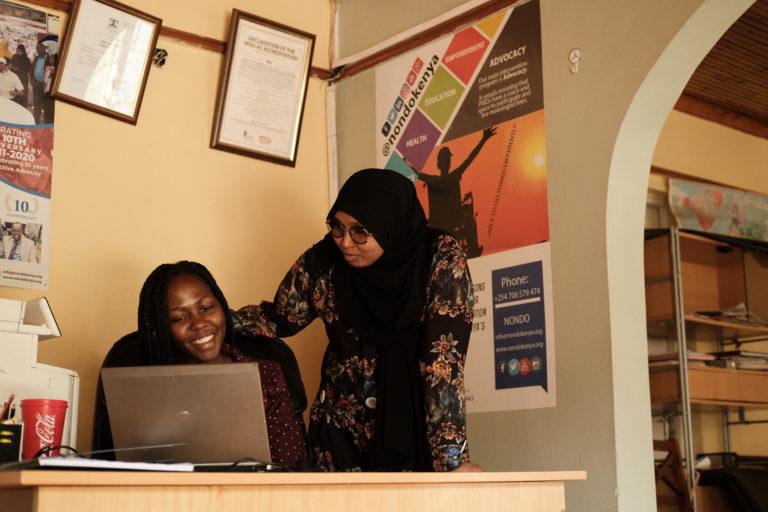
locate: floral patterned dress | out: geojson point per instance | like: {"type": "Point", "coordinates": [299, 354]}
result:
{"type": "Point", "coordinates": [342, 417]}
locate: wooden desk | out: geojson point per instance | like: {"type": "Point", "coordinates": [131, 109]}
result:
{"type": "Point", "coordinates": [48, 491]}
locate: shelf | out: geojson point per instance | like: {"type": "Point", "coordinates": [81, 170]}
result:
{"type": "Point", "coordinates": [705, 329]}
{"type": "Point", "coordinates": [713, 276]}
{"type": "Point", "coordinates": [727, 330]}
{"type": "Point", "coordinates": [686, 273]}
{"type": "Point", "coordinates": [712, 386]}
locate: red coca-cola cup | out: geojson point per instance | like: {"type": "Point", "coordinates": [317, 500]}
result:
{"type": "Point", "coordinates": [43, 425]}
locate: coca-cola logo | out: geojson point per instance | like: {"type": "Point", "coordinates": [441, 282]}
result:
{"type": "Point", "coordinates": [44, 428]}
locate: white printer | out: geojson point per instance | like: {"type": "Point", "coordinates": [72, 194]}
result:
{"type": "Point", "coordinates": [22, 324]}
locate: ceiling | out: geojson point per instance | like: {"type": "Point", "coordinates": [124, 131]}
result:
{"type": "Point", "coordinates": [730, 86]}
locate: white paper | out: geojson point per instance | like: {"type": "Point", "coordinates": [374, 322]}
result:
{"type": "Point", "coordinates": [83, 463]}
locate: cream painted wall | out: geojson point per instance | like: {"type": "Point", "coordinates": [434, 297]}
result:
{"type": "Point", "coordinates": [355, 18]}
{"type": "Point", "coordinates": [704, 149]}
{"type": "Point", "coordinates": [127, 198]}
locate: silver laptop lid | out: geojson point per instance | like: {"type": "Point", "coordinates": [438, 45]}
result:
{"type": "Point", "coordinates": [216, 409]}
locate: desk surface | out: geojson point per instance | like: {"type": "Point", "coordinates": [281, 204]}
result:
{"type": "Point", "coordinates": [43, 478]}
{"type": "Point", "coordinates": [112, 491]}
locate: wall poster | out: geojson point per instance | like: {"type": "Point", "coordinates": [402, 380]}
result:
{"type": "Point", "coordinates": [28, 53]}
{"type": "Point", "coordinates": [719, 210]}
{"type": "Point", "coordinates": [463, 118]}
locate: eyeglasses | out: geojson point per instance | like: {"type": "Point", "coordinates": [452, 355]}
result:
{"type": "Point", "coordinates": [357, 233]}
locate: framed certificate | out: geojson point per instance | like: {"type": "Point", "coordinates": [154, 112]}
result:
{"type": "Point", "coordinates": [262, 89]}
{"type": "Point", "coordinates": [105, 59]}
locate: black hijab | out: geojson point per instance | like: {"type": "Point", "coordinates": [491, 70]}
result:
{"type": "Point", "coordinates": [383, 304]}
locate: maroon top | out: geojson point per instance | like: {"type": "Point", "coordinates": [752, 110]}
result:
{"type": "Point", "coordinates": [284, 429]}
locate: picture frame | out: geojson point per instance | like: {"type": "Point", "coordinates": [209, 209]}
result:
{"type": "Point", "coordinates": [262, 89]}
{"type": "Point", "coordinates": [105, 58]}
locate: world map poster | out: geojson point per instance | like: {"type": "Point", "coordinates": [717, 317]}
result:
{"type": "Point", "coordinates": [719, 210]}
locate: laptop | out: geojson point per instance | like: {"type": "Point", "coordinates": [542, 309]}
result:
{"type": "Point", "coordinates": [206, 414]}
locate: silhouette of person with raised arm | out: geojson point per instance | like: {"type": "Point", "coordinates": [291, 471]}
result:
{"type": "Point", "coordinates": [444, 190]}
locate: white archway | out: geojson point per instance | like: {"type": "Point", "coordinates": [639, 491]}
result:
{"type": "Point", "coordinates": [627, 189]}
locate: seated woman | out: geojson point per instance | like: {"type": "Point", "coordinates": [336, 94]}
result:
{"type": "Point", "coordinates": [184, 319]}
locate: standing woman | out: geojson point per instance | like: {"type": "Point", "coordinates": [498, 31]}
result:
{"type": "Point", "coordinates": [396, 299]}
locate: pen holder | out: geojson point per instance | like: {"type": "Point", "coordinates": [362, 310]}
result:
{"type": "Point", "coordinates": [10, 443]}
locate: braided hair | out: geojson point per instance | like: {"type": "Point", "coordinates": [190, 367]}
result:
{"type": "Point", "coordinates": [154, 334]}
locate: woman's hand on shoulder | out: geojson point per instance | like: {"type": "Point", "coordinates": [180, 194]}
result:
{"type": "Point", "coordinates": [469, 467]}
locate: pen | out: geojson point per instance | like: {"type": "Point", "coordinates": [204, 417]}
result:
{"type": "Point", "coordinates": [7, 406]}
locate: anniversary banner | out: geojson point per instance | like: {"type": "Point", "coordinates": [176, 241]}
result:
{"type": "Point", "coordinates": [28, 51]}
{"type": "Point", "coordinates": [463, 117]}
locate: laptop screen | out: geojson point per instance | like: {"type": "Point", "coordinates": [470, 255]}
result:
{"type": "Point", "coordinates": [214, 411]}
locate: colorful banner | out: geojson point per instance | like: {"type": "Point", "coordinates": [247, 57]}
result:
{"type": "Point", "coordinates": [463, 117]}
{"type": "Point", "coordinates": [28, 52]}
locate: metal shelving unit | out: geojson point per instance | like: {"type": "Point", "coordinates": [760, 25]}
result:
{"type": "Point", "coordinates": [668, 300]}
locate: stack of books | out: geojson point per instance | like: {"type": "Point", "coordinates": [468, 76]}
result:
{"type": "Point", "coordinates": [742, 359]}
{"type": "Point", "coordinates": [736, 314]}
{"type": "Point", "coordinates": [694, 358]}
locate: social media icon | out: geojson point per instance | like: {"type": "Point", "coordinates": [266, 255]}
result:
{"type": "Point", "coordinates": [411, 78]}
{"type": "Point", "coordinates": [525, 366]}
{"type": "Point", "coordinates": [513, 367]}
{"type": "Point", "coordinates": [405, 90]}
{"type": "Point", "coordinates": [536, 364]}
{"type": "Point", "coordinates": [398, 103]}
{"type": "Point", "coordinates": [392, 116]}
{"type": "Point", "coordinates": [385, 129]}
{"type": "Point", "coordinates": [417, 64]}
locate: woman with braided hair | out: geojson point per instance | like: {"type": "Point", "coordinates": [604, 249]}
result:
{"type": "Point", "coordinates": [183, 318]}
